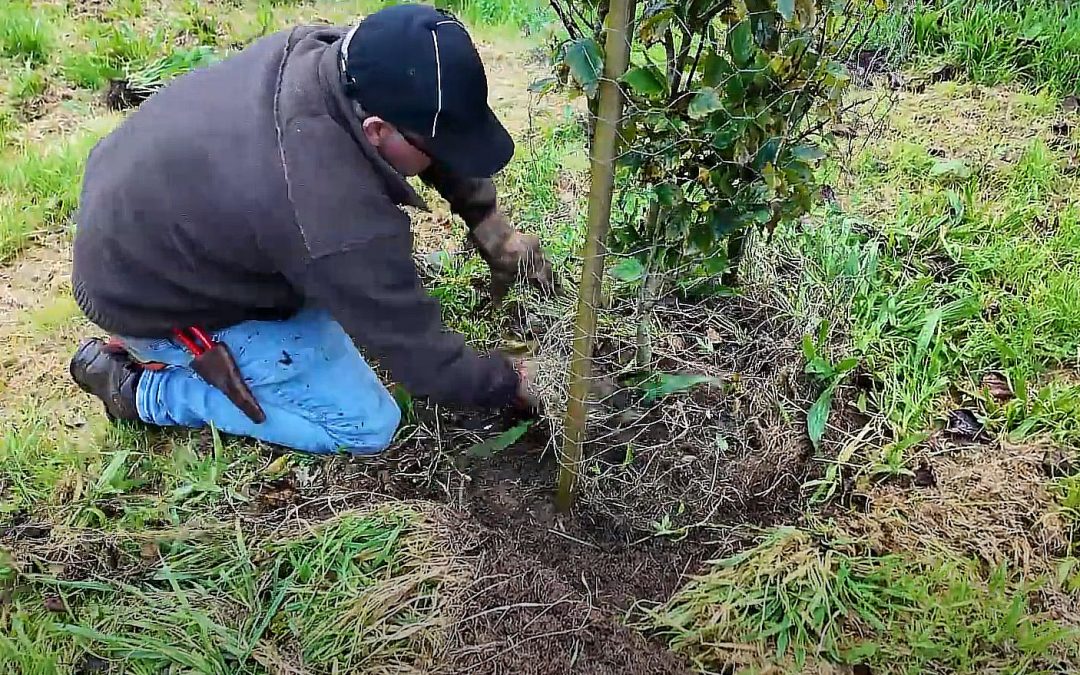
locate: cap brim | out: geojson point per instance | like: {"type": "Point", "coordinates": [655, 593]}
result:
{"type": "Point", "coordinates": [480, 152]}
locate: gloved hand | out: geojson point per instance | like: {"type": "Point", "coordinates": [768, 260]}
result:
{"type": "Point", "coordinates": [512, 256]}
{"type": "Point", "coordinates": [527, 401]}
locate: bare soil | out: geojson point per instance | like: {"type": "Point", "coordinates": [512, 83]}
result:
{"type": "Point", "coordinates": [558, 593]}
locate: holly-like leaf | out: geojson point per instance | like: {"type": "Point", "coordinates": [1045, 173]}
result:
{"type": "Point", "coordinates": [716, 69]}
{"type": "Point", "coordinates": [586, 63]}
{"type": "Point", "coordinates": [704, 103]}
{"type": "Point", "coordinates": [647, 81]}
{"type": "Point", "coordinates": [628, 270]}
{"type": "Point", "coordinates": [726, 136]}
{"type": "Point", "coordinates": [741, 43]}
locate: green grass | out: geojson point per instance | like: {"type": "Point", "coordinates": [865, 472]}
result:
{"type": "Point", "coordinates": [26, 85]}
{"type": "Point", "coordinates": [800, 595]}
{"type": "Point", "coordinates": [107, 50]}
{"type": "Point", "coordinates": [358, 591]}
{"type": "Point", "coordinates": [528, 14]}
{"type": "Point", "coordinates": [992, 41]}
{"type": "Point", "coordinates": [25, 34]}
{"type": "Point", "coordinates": [973, 272]}
{"type": "Point", "coordinates": [40, 185]}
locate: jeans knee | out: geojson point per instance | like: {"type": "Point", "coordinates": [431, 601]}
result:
{"type": "Point", "coordinates": [372, 434]}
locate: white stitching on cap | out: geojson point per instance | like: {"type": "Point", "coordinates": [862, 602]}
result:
{"type": "Point", "coordinates": [438, 72]}
{"type": "Point", "coordinates": [345, 49]}
{"type": "Point", "coordinates": [438, 81]}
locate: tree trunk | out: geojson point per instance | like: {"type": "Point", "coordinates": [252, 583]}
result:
{"type": "Point", "coordinates": [616, 59]}
{"type": "Point", "coordinates": [736, 249]}
{"type": "Point", "coordinates": [649, 285]}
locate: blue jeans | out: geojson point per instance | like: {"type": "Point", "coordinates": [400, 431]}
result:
{"type": "Point", "coordinates": [318, 393]}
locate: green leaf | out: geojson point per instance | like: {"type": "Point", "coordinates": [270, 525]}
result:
{"type": "Point", "coordinates": [786, 9]}
{"type": "Point", "coordinates": [951, 169]}
{"type": "Point", "coordinates": [665, 384]}
{"type": "Point", "coordinates": [767, 153]}
{"type": "Point", "coordinates": [113, 470]}
{"type": "Point", "coordinates": [665, 192]}
{"type": "Point", "coordinates": [704, 103]}
{"type": "Point", "coordinates": [647, 81]}
{"type": "Point", "coordinates": [809, 348]}
{"type": "Point", "coordinates": [818, 417]}
{"type": "Point", "coordinates": [808, 153]}
{"type": "Point", "coordinates": [716, 69]}
{"type": "Point", "coordinates": [726, 136]}
{"type": "Point", "coordinates": [628, 270]}
{"type": "Point", "coordinates": [741, 43]}
{"type": "Point", "coordinates": [724, 222]}
{"type": "Point", "coordinates": [493, 446]}
{"type": "Point", "coordinates": [846, 366]}
{"type": "Point", "coordinates": [586, 64]}
{"type": "Point", "coordinates": [543, 85]}
{"type": "Point", "coordinates": [927, 333]}
{"type": "Point", "coordinates": [735, 87]}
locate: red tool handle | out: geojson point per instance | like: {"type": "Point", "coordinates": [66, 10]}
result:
{"type": "Point", "coordinates": [198, 343]}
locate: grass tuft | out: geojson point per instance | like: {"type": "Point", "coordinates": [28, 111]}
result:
{"type": "Point", "coordinates": [361, 591]}
{"type": "Point", "coordinates": [24, 34]}
{"type": "Point", "coordinates": [800, 595]}
{"type": "Point", "coordinates": [992, 41]}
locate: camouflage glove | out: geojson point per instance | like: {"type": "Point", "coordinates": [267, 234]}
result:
{"type": "Point", "coordinates": [512, 256]}
{"type": "Point", "coordinates": [526, 399]}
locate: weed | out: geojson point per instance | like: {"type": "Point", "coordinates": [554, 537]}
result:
{"type": "Point", "coordinates": [527, 14]}
{"type": "Point", "coordinates": [24, 34]}
{"type": "Point", "coordinates": [39, 188]}
{"type": "Point", "coordinates": [350, 593]}
{"type": "Point", "coordinates": [27, 85]}
{"type": "Point", "coordinates": [140, 84]}
{"type": "Point", "coordinates": [993, 41]}
{"type": "Point", "coordinates": [807, 594]}
{"type": "Point", "coordinates": [201, 25]}
{"type": "Point", "coordinates": [114, 48]}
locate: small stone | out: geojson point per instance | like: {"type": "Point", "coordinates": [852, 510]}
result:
{"type": "Point", "coordinates": [54, 604]}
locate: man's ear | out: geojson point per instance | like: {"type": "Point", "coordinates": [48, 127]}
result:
{"type": "Point", "coordinates": [375, 129]}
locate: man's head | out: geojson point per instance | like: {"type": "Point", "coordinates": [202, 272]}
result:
{"type": "Point", "coordinates": [416, 74]}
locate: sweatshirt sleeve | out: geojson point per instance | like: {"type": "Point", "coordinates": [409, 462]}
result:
{"type": "Point", "coordinates": [357, 264]}
{"type": "Point", "coordinates": [474, 199]}
{"type": "Point", "coordinates": [377, 298]}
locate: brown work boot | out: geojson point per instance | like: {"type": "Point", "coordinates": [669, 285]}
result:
{"type": "Point", "coordinates": [110, 375]}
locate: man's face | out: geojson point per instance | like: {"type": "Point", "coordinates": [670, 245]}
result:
{"type": "Point", "coordinates": [400, 152]}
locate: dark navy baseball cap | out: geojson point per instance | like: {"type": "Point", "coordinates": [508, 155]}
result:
{"type": "Point", "coordinates": [416, 67]}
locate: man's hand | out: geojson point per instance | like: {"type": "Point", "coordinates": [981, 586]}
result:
{"type": "Point", "coordinates": [512, 256]}
{"type": "Point", "coordinates": [527, 400]}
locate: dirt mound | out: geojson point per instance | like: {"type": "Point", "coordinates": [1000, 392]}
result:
{"type": "Point", "coordinates": [551, 591]}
